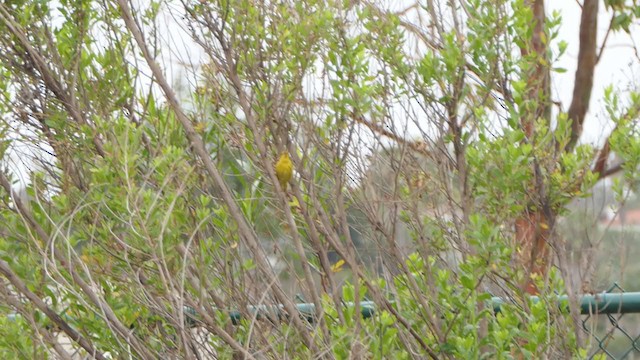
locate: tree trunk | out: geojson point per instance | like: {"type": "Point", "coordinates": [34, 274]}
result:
{"type": "Point", "coordinates": [532, 235]}
{"type": "Point", "coordinates": [531, 228]}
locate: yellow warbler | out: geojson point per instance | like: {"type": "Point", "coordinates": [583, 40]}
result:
{"type": "Point", "coordinates": [284, 170]}
{"type": "Point", "coordinates": [337, 266]}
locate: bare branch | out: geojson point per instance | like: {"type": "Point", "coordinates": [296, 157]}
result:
{"type": "Point", "coordinates": [196, 141]}
{"type": "Point", "coordinates": [584, 73]}
{"type": "Point", "coordinates": [606, 37]}
{"type": "Point", "coordinates": [121, 330]}
{"type": "Point", "coordinates": [20, 286]}
{"type": "Point", "coordinates": [48, 76]}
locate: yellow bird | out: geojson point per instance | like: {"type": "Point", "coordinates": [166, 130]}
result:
{"type": "Point", "coordinates": [284, 170]}
{"type": "Point", "coordinates": [337, 267]}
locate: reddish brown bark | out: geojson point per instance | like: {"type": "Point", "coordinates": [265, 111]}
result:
{"type": "Point", "coordinates": [538, 79]}
{"type": "Point", "coordinates": [532, 234]}
{"type": "Point", "coordinates": [531, 228]}
{"type": "Point", "coordinates": [584, 73]}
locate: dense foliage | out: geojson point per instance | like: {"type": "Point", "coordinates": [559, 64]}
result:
{"type": "Point", "coordinates": [139, 200]}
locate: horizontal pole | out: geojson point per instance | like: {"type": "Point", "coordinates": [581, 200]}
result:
{"type": "Point", "coordinates": [306, 310]}
{"type": "Point", "coordinates": [610, 303]}
{"type": "Point", "coordinates": [603, 303]}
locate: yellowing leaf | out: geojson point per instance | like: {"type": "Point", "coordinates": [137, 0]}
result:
{"type": "Point", "coordinates": [294, 204]}
{"type": "Point", "coordinates": [199, 127]}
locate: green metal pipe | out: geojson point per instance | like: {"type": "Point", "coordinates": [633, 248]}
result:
{"type": "Point", "coordinates": [306, 310]}
{"type": "Point", "coordinates": [609, 303]}
{"type": "Point", "coordinates": [603, 303]}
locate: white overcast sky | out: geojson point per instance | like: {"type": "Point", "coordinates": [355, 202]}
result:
{"type": "Point", "coordinates": [614, 67]}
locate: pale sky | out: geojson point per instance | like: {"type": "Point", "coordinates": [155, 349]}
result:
{"type": "Point", "coordinates": [613, 69]}
{"type": "Point", "coordinates": [180, 57]}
